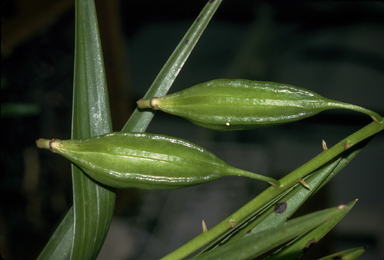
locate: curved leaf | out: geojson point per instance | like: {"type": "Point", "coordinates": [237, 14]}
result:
{"type": "Point", "coordinates": [268, 196]}
{"type": "Point", "coordinates": [59, 246]}
{"type": "Point", "coordinates": [260, 242]}
{"type": "Point", "coordinates": [93, 203]}
{"type": "Point", "coordinates": [296, 248]}
{"type": "Point", "coordinates": [349, 254]}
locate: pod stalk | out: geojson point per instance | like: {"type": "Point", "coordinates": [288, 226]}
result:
{"type": "Point", "coordinates": [336, 104]}
{"type": "Point", "coordinates": [235, 171]}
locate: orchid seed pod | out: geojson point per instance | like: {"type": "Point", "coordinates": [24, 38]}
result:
{"type": "Point", "coordinates": [225, 104]}
{"type": "Point", "coordinates": [145, 161]}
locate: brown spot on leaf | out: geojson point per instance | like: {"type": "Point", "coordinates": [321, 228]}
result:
{"type": "Point", "coordinates": [308, 245]}
{"type": "Point", "coordinates": [211, 1]}
{"type": "Point", "coordinates": [280, 208]}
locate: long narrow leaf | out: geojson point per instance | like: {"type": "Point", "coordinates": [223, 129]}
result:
{"type": "Point", "coordinates": [270, 194]}
{"type": "Point", "coordinates": [93, 203]}
{"type": "Point", "coordinates": [140, 119]}
{"type": "Point", "coordinates": [282, 209]}
{"type": "Point", "coordinates": [349, 254]}
{"type": "Point", "coordinates": [260, 242]}
{"type": "Point", "coordinates": [288, 205]}
{"type": "Point", "coordinates": [279, 211]}
{"type": "Point", "coordinates": [243, 227]}
{"type": "Point", "coordinates": [59, 246]}
{"type": "Point", "coordinates": [296, 248]}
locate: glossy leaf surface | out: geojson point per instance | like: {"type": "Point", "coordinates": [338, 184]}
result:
{"type": "Point", "coordinates": [260, 242]}
{"type": "Point", "coordinates": [350, 254]}
{"type": "Point", "coordinates": [93, 203]}
{"type": "Point", "coordinates": [298, 247]}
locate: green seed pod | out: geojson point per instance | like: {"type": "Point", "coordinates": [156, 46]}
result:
{"type": "Point", "coordinates": [145, 161]}
{"type": "Point", "coordinates": [225, 104]}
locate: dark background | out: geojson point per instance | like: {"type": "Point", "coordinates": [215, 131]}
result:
{"type": "Point", "coordinates": [333, 48]}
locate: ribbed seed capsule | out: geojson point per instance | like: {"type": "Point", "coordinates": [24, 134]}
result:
{"type": "Point", "coordinates": [145, 161]}
{"type": "Point", "coordinates": [225, 104]}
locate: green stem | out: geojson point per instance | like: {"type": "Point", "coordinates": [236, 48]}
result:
{"type": "Point", "coordinates": [270, 193]}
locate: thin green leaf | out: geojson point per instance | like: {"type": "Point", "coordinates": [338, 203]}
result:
{"type": "Point", "coordinates": [260, 242]}
{"type": "Point", "coordinates": [292, 199]}
{"type": "Point", "coordinates": [270, 194]}
{"type": "Point", "coordinates": [243, 227]}
{"type": "Point", "coordinates": [140, 119]}
{"type": "Point", "coordinates": [60, 244]}
{"type": "Point", "coordinates": [93, 203]}
{"type": "Point", "coordinates": [296, 248]}
{"type": "Point", "coordinates": [286, 206]}
{"type": "Point", "coordinates": [282, 209]}
{"type": "Point", "coordinates": [349, 254]}
{"type": "Point", "coordinates": [316, 180]}
{"type": "Point", "coordinates": [278, 211]}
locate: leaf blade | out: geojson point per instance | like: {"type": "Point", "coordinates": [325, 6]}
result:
{"type": "Point", "coordinates": [93, 202]}
{"type": "Point", "coordinates": [260, 242]}
{"type": "Point", "coordinates": [296, 248]}
{"type": "Point", "coordinates": [349, 254]}
{"type": "Point", "coordinates": [60, 244]}
{"type": "Point", "coordinates": [270, 194]}
{"type": "Point", "coordinates": [293, 198]}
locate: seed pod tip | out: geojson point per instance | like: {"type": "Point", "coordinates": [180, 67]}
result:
{"type": "Point", "coordinates": [43, 143]}
{"type": "Point", "coordinates": [144, 103]}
